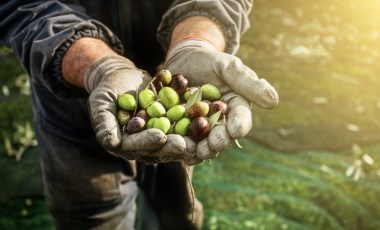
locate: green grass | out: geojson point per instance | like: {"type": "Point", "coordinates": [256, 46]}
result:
{"type": "Point", "coordinates": [306, 190]}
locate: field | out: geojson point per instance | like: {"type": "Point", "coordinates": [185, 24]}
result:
{"type": "Point", "coordinates": [310, 163]}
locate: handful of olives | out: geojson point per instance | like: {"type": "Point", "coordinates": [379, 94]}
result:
{"type": "Point", "coordinates": [168, 104]}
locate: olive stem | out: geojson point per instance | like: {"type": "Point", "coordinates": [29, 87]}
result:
{"type": "Point", "coordinates": [152, 87]}
{"type": "Point", "coordinates": [151, 83]}
{"type": "Point", "coordinates": [137, 99]}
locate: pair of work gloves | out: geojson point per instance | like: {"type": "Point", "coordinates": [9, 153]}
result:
{"type": "Point", "coordinates": [200, 63]}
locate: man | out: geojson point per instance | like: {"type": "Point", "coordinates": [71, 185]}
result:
{"type": "Point", "coordinates": [81, 55]}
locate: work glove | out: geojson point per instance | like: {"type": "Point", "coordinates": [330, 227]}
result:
{"type": "Point", "coordinates": [108, 78]}
{"type": "Point", "coordinates": [200, 62]}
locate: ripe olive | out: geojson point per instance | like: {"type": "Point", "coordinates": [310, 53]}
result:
{"type": "Point", "coordinates": [199, 109]}
{"type": "Point", "coordinates": [135, 125]}
{"type": "Point", "coordinates": [198, 129]}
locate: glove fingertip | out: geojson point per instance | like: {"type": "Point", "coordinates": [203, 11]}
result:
{"type": "Point", "coordinates": [191, 145]}
{"type": "Point", "coordinates": [150, 139]}
{"type": "Point", "coordinates": [219, 139]}
{"type": "Point", "coordinates": [239, 121]}
{"type": "Point", "coordinates": [176, 143]}
{"type": "Point", "coordinates": [265, 95]}
{"type": "Point", "coordinates": [237, 129]}
{"type": "Point", "coordinates": [270, 98]}
{"type": "Point", "coordinates": [109, 140]}
{"type": "Point", "coordinates": [203, 150]}
{"type": "Point", "coordinates": [156, 136]}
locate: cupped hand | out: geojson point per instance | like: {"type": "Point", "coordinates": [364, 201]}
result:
{"type": "Point", "coordinates": [107, 80]}
{"type": "Point", "coordinates": [239, 85]}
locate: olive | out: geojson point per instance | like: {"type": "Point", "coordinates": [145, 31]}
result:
{"type": "Point", "coordinates": [135, 125]}
{"type": "Point", "coordinates": [210, 92]}
{"type": "Point", "coordinates": [168, 97]}
{"type": "Point", "coordinates": [182, 126]}
{"type": "Point", "coordinates": [198, 109]}
{"type": "Point", "coordinates": [176, 112]}
{"type": "Point", "coordinates": [156, 109]}
{"type": "Point", "coordinates": [218, 106]}
{"type": "Point", "coordinates": [127, 101]}
{"type": "Point", "coordinates": [143, 114]}
{"type": "Point", "coordinates": [123, 117]}
{"type": "Point", "coordinates": [179, 83]}
{"type": "Point", "coordinates": [146, 97]}
{"type": "Point", "coordinates": [163, 124]}
{"type": "Point", "coordinates": [162, 78]}
{"type": "Point", "coordinates": [198, 129]}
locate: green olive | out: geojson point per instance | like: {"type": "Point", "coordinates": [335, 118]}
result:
{"type": "Point", "coordinates": [146, 97]}
{"type": "Point", "coordinates": [163, 76]}
{"type": "Point", "coordinates": [210, 92]}
{"type": "Point", "coordinates": [163, 124]}
{"type": "Point", "coordinates": [176, 112]}
{"type": "Point", "coordinates": [151, 122]}
{"type": "Point", "coordinates": [156, 109]}
{"type": "Point", "coordinates": [123, 117]}
{"type": "Point", "coordinates": [182, 126]}
{"type": "Point", "coordinates": [188, 92]}
{"type": "Point", "coordinates": [127, 101]}
{"type": "Point", "coordinates": [168, 97]}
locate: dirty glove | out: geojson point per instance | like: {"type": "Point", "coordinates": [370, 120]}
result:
{"type": "Point", "coordinates": [200, 62]}
{"type": "Point", "coordinates": [108, 78]}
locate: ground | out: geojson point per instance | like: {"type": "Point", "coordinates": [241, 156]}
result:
{"type": "Point", "coordinates": [310, 163]}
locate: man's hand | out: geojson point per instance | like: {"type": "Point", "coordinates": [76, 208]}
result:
{"type": "Point", "coordinates": [199, 57]}
{"type": "Point", "coordinates": [105, 79]}
{"type": "Point", "coordinates": [108, 78]}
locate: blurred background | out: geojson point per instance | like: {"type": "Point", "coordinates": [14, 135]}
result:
{"type": "Point", "coordinates": [311, 163]}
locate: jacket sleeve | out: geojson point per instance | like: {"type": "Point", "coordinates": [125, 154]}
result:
{"type": "Point", "coordinates": [40, 32]}
{"type": "Point", "coordinates": [231, 15]}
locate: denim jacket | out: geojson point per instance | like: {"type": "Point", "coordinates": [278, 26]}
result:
{"type": "Point", "coordinates": [40, 32]}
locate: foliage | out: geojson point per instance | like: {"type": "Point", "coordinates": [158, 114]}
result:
{"type": "Point", "coordinates": [322, 57]}
{"type": "Point", "coordinates": [17, 133]}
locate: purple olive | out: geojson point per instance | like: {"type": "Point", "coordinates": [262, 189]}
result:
{"type": "Point", "coordinates": [198, 129]}
{"type": "Point", "coordinates": [135, 125]}
{"type": "Point", "coordinates": [143, 114]}
{"type": "Point", "coordinates": [179, 83]}
{"type": "Point", "coordinates": [218, 106]}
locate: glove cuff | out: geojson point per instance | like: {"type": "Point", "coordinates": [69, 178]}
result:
{"type": "Point", "coordinates": [103, 67]}
{"type": "Point", "coordinates": [186, 44]}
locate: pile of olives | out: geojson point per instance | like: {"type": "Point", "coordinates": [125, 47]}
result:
{"type": "Point", "coordinates": [168, 104]}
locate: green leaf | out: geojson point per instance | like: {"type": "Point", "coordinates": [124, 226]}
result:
{"type": "Point", "coordinates": [214, 118]}
{"type": "Point", "coordinates": [194, 98]}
